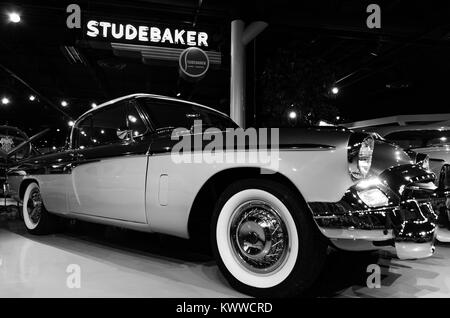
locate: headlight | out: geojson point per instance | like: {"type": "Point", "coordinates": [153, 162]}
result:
{"type": "Point", "coordinates": [360, 153]}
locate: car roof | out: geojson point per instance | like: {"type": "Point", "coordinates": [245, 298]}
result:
{"type": "Point", "coordinates": [161, 97]}
{"type": "Point", "coordinates": [388, 125]}
{"type": "Point", "coordinates": [385, 130]}
{"type": "Point", "coordinates": [402, 120]}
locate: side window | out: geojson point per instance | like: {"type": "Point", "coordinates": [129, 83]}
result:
{"type": "Point", "coordinates": [212, 119]}
{"type": "Point", "coordinates": [134, 121]}
{"type": "Point", "coordinates": [83, 132]}
{"type": "Point", "coordinates": [109, 126]}
{"type": "Point", "coordinates": [168, 115]}
{"type": "Point", "coordinates": [112, 125]}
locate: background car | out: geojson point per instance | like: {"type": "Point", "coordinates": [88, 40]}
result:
{"type": "Point", "coordinates": [10, 137]}
{"type": "Point", "coordinates": [427, 134]}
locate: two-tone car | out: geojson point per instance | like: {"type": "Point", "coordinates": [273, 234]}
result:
{"type": "Point", "coordinates": [269, 225]}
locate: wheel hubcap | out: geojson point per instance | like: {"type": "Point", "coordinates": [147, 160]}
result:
{"type": "Point", "coordinates": [34, 206]}
{"type": "Point", "coordinates": [259, 237]}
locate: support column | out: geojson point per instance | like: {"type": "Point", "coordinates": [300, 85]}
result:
{"type": "Point", "coordinates": [240, 37]}
{"type": "Point", "coordinates": [238, 66]}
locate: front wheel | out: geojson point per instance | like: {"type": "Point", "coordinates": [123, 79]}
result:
{"type": "Point", "coordinates": [265, 242]}
{"type": "Point", "coordinates": [36, 218]}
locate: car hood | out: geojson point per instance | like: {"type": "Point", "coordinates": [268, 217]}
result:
{"type": "Point", "coordinates": [313, 137]}
{"type": "Point", "coordinates": [385, 156]}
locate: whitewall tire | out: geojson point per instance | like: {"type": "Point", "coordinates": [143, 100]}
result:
{"type": "Point", "coordinates": [36, 218]}
{"type": "Point", "coordinates": [264, 240]}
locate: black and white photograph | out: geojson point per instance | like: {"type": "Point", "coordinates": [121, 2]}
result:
{"type": "Point", "coordinates": [227, 156]}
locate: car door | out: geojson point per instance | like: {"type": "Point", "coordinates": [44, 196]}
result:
{"type": "Point", "coordinates": [109, 174]}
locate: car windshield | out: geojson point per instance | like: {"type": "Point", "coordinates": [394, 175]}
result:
{"type": "Point", "coordinates": [420, 138]}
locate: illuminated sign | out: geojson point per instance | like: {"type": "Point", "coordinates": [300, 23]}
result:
{"type": "Point", "coordinates": [194, 63]}
{"type": "Point", "coordinates": [145, 34]}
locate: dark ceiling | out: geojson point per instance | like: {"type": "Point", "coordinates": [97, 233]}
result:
{"type": "Point", "coordinates": [401, 68]}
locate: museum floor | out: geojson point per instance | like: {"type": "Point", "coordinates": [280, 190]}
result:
{"type": "Point", "coordinates": [118, 263]}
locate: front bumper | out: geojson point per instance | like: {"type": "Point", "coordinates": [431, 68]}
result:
{"type": "Point", "coordinates": [407, 221]}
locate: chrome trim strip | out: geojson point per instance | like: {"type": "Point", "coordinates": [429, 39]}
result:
{"type": "Point", "coordinates": [73, 214]}
{"type": "Point", "coordinates": [302, 147]}
{"type": "Point", "coordinates": [351, 234]}
{"type": "Point", "coordinates": [168, 152]}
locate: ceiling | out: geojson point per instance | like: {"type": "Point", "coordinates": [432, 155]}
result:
{"type": "Point", "coordinates": [403, 65]}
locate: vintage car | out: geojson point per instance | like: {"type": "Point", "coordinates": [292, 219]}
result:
{"type": "Point", "coordinates": [269, 225]}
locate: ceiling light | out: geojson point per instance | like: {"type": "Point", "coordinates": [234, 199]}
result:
{"type": "Point", "coordinates": [93, 105]}
{"type": "Point", "coordinates": [292, 115]}
{"type": "Point", "coordinates": [5, 100]}
{"type": "Point", "coordinates": [64, 103]}
{"type": "Point", "coordinates": [32, 98]}
{"type": "Point", "coordinates": [335, 90]}
{"type": "Point", "coordinates": [14, 17]}
{"type": "Point", "coordinates": [71, 123]}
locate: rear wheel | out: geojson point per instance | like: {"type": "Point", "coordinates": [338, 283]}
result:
{"type": "Point", "coordinates": [265, 242]}
{"type": "Point", "coordinates": [36, 218]}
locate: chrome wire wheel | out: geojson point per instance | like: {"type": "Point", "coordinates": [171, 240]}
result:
{"type": "Point", "coordinates": [264, 241]}
{"type": "Point", "coordinates": [259, 237]}
{"type": "Point", "coordinates": [34, 206]}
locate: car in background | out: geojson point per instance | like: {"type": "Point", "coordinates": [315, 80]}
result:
{"type": "Point", "coordinates": [425, 138]}
{"type": "Point", "coordinates": [419, 134]}
{"type": "Point", "coordinates": [269, 227]}
{"type": "Point", "coordinates": [15, 146]}
{"type": "Point", "coordinates": [10, 137]}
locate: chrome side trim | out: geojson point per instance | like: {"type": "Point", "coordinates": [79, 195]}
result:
{"type": "Point", "coordinates": [168, 152]}
{"type": "Point", "coordinates": [305, 147]}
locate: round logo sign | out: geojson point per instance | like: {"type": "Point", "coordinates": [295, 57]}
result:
{"type": "Point", "coordinates": [194, 63]}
